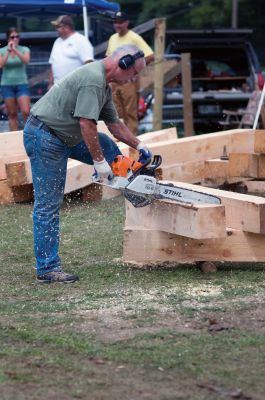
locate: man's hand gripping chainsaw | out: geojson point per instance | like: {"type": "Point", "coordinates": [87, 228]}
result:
{"type": "Point", "coordinates": [137, 181]}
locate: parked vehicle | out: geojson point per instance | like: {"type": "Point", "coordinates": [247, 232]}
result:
{"type": "Point", "coordinates": [225, 70]}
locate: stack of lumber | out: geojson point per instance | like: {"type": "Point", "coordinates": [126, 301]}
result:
{"type": "Point", "coordinates": [168, 231]}
{"type": "Point", "coordinates": [15, 171]}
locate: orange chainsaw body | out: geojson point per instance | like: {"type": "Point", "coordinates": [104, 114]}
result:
{"type": "Point", "coordinates": [122, 165]}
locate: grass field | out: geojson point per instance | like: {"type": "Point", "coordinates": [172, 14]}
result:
{"type": "Point", "coordinates": [121, 332]}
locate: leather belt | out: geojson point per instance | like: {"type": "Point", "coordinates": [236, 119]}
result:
{"type": "Point", "coordinates": [41, 125]}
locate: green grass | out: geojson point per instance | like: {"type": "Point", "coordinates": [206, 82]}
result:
{"type": "Point", "coordinates": [120, 332]}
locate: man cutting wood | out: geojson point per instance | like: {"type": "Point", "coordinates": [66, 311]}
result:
{"type": "Point", "coordinates": [62, 125]}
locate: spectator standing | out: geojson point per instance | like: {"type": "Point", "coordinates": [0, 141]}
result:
{"type": "Point", "coordinates": [125, 97]}
{"type": "Point", "coordinates": [70, 50]}
{"type": "Point", "coordinates": [14, 81]}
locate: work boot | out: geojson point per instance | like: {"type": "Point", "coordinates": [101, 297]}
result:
{"type": "Point", "coordinates": [57, 277]}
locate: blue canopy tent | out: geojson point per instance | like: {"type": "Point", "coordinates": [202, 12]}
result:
{"type": "Point", "coordinates": [33, 8]}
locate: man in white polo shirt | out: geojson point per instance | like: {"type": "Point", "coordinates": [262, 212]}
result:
{"type": "Point", "coordinates": [70, 50]}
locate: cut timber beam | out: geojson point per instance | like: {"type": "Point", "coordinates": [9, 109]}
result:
{"type": "Point", "coordinates": [216, 172]}
{"type": "Point", "coordinates": [78, 174]}
{"type": "Point", "coordinates": [12, 143]}
{"type": "Point", "coordinates": [146, 246]}
{"type": "Point", "coordinates": [9, 159]}
{"type": "Point", "coordinates": [191, 171]}
{"type": "Point", "coordinates": [255, 186]}
{"type": "Point", "coordinates": [202, 221]}
{"type": "Point", "coordinates": [15, 194]}
{"type": "Point", "coordinates": [204, 147]}
{"type": "Point", "coordinates": [97, 192]}
{"type": "Point", "coordinates": [243, 164]}
{"type": "Point", "coordinates": [243, 212]}
{"type": "Point", "coordinates": [18, 173]}
{"type": "Point", "coordinates": [247, 165]}
{"type": "Point", "coordinates": [149, 138]}
{"type": "Point", "coordinates": [259, 142]}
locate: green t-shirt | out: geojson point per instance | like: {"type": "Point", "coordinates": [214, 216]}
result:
{"type": "Point", "coordinates": [14, 71]}
{"type": "Point", "coordinates": [83, 93]}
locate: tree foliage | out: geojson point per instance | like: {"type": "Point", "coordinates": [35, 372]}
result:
{"type": "Point", "coordinates": [204, 14]}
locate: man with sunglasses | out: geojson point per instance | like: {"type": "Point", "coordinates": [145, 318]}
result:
{"type": "Point", "coordinates": [70, 50]}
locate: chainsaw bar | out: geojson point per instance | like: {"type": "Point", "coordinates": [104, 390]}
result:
{"type": "Point", "coordinates": [143, 190]}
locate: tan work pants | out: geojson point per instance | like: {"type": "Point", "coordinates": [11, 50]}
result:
{"type": "Point", "coordinates": [125, 98]}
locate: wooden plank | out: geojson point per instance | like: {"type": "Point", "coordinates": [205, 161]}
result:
{"type": "Point", "coordinates": [187, 90]}
{"type": "Point", "coordinates": [243, 164]}
{"type": "Point", "coordinates": [6, 194]}
{"type": "Point", "coordinates": [202, 221]}
{"type": "Point", "coordinates": [18, 194]}
{"type": "Point", "coordinates": [216, 170]}
{"type": "Point", "coordinates": [18, 173]}
{"type": "Point", "coordinates": [259, 141]}
{"type": "Point", "coordinates": [11, 143]}
{"type": "Point", "coordinates": [149, 138]}
{"type": "Point", "coordinates": [10, 158]}
{"type": "Point", "coordinates": [247, 165]}
{"type": "Point", "coordinates": [151, 246]}
{"type": "Point", "coordinates": [171, 68]}
{"type": "Point", "coordinates": [78, 174]}
{"type": "Point", "coordinates": [243, 212]}
{"type": "Point", "coordinates": [261, 166]}
{"type": "Point", "coordinates": [159, 136]}
{"type": "Point", "coordinates": [97, 192]}
{"type": "Point", "coordinates": [160, 33]}
{"type": "Point", "coordinates": [255, 186]}
{"type": "Point", "coordinates": [191, 171]}
{"type": "Point", "coordinates": [23, 193]}
{"type": "Point", "coordinates": [204, 147]}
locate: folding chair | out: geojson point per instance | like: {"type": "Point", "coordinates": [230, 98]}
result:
{"type": "Point", "coordinates": [241, 118]}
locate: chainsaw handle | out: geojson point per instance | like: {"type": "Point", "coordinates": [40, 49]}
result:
{"type": "Point", "coordinates": [157, 161]}
{"type": "Point", "coordinates": [147, 168]}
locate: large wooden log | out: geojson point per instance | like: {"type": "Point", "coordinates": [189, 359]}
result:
{"type": "Point", "coordinates": [147, 246]}
{"type": "Point", "coordinates": [203, 221]}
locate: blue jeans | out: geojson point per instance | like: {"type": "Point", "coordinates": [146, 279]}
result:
{"type": "Point", "coordinates": [48, 157]}
{"type": "Point", "coordinates": [15, 91]}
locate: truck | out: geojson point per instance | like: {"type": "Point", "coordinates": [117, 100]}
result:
{"type": "Point", "coordinates": [225, 71]}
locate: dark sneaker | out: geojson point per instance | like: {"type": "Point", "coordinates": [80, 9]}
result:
{"type": "Point", "coordinates": [57, 277]}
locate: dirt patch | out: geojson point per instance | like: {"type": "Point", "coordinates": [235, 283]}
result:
{"type": "Point", "coordinates": [112, 327]}
{"type": "Point", "coordinates": [114, 324]}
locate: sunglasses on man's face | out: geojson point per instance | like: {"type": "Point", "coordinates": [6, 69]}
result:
{"type": "Point", "coordinates": [14, 37]}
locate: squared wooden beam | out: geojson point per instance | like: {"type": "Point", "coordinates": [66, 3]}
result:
{"type": "Point", "coordinates": [195, 221]}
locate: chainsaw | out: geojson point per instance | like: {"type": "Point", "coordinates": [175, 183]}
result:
{"type": "Point", "coordinates": [137, 181]}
